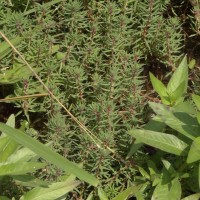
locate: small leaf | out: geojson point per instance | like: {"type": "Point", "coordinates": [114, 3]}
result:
{"type": "Point", "coordinates": [160, 88]}
{"type": "Point", "coordinates": [102, 194]}
{"type": "Point", "coordinates": [60, 56]}
{"type": "Point", "coordinates": [194, 153]}
{"type": "Point", "coordinates": [144, 173]}
{"type": "Point", "coordinates": [196, 99]}
{"type": "Point", "coordinates": [54, 49]}
{"type": "Point", "coordinates": [152, 167]}
{"type": "Point", "coordinates": [155, 124]}
{"type": "Point", "coordinates": [178, 93]}
{"type": "Point", "coordinates": [165, 142]}
{"type": "Point", "coordinates": [179, 76]}
{"type": "Point", "coordinates": [53, 191]}
{"type": "Point", "coordinates": [192, 64]}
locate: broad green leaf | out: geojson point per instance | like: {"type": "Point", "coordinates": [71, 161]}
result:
{"type": "Point", "coordinates": [161, 192]}
{"type": "Point", "coordinates": [192, 197]}
{"type": "Point", "coordinates": [48, 154]}
{"type": "Point", "coordinates": [196, 99]}
{"type": "Point", "coordinates": [53, 191]}
{"type": "Point", "coordinates": [133, 190]}
{"type": "Point", "coordinates": [5, 48]}
{"type": "Point", "coordinates": [102, 194]}
{"type": "Point", "coordinates": [163, 141]}
{"type": "Point", "coordinates": [180, 121]}
{"type": "Point", "coordinates": [29, 181]}
{"type": "Point", "coordinates": [175, 190]}
{"type": "Point", "coordinates": [155, 124]}
{"type": "Point", "coordinates": [19, 168]}
{"type": "Point", "coordinates": [160, 88]}
{"type": "Point", "coordinates": [194, 152]}
{"type": "Point", "coordinates": [179, 76]}
{"type": "Point", "coordinates": [162, 189]}
{"type": "Point", "coordinates": [178, 93]}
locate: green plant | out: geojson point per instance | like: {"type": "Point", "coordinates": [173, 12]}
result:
{"type": "Point", "coordinates": [17, 161]}
{"type": "Point", "coordinates": [176, 163]}
{"type": "Point", "coordinates": [90, 55]}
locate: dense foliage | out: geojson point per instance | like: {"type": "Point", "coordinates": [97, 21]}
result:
{"type": "Point", "coordinates": [93, 59]}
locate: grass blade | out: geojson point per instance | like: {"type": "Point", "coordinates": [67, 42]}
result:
{"type": "Point", "coordinates": [48, 154]}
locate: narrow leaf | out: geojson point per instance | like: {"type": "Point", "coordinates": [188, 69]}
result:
{"type": "Point", "coordinates": [160, 88]}
{"type": "Point", "coordinates": [180, 75]}
{"type": "Point", "coordinates": [196, 99]}
{"type": "Point", "coordinates": [192, 64]}
{"type": "Point", "coordinates": [102, 194]}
